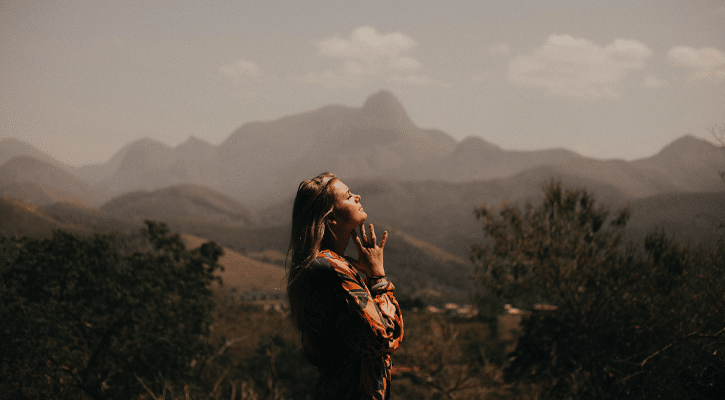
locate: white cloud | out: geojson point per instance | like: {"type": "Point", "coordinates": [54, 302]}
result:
{"type": "Point", "coordinates": [570, 67]}
{"type": "Point", "coordinates": [705, 64]}
{"type": "Point", "coordinates": [499, 49]}
{"type": "Point", "coordinates": [365, 44]}
{"type": "Point", "coordinates": [241, 71]}
{"type": "Point", "coordinates": [365, 54]}
{"type": "Point", "coordinates": [653, 82]}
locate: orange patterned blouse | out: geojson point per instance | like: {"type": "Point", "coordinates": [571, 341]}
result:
{"type": "Point", "coordinates": [349, 329]}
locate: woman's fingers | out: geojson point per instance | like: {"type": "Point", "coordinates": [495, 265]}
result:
{"type": "Point", "coordinates": [364, 236]}
{"type": "Point", "coordinates": [368, 242]}
{"type": "Point", "coordinates": [384, 239]}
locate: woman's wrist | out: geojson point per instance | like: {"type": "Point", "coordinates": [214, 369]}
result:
{"type": "Point", "coordinates": [376, 279]}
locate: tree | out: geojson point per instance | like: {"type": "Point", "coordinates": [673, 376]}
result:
{"type": "Point", "coordinates": [641, 323]}
{"type": "Point", "coordinates": [90, 317]}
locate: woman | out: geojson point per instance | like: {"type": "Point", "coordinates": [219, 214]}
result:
{"type": "Point", "coordinates": [344, 308]}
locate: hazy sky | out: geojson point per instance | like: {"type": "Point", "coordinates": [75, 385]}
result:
{"type": "Point", "coordinates": [608, 79]}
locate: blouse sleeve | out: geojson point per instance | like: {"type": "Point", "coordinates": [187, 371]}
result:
{"type": "Point", "coordinates": [372, 324]}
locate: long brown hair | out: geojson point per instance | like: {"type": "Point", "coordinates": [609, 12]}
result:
{"type": "Point", "coordinates": [314, 202]}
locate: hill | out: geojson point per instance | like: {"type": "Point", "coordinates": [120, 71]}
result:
{"type": "Point", "coordinates": [685, 165]}
{"type": "Point", "coordinates": [12, 148]}
{"type": "Point", "coordinates": [18, 218]}
{"type": "Point", "coordinates": [243, 273]}
{"type": "Point", "coordinates": [686, 217]}
{"type": "Point", "coordinates": [40, 182]}
{"type": "Point", "coordinates": [180, 202]}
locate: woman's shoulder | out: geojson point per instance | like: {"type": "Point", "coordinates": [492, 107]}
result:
{"type": "Point", "coordinates": [328, 260]}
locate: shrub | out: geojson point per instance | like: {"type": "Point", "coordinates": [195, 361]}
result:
{"type": "Point", "coordinates": [87, 317]}
{"type": "Point", "coordinates": [627, 323]}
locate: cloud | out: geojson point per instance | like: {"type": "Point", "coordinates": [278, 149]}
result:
{"type": "Point", "coordinates": [365, 44]}
{"type": "Point", "coordinates": [241, 71]}
{"type": "Point", "coordinates": [367, 54]}
{"type": "Point", "coordinates": [705, 64]}
{"type": "Point", "coordinates": [578, 68]}
{"type": "Point", "coordinates": [499, 49]}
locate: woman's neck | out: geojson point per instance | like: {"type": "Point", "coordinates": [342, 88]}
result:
{"type": "Point", "coordinates": [336, 244]}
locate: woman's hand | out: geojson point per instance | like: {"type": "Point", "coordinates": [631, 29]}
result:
{"type": "Point", "coordinates": [369, 253]}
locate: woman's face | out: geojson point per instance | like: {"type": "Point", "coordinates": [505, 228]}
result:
{"type": "Point", "coordinates": [347, 211]}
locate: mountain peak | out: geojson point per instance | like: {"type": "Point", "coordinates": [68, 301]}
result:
{"type": "Point", "coordinates": [193, 144]}
{"type": "Point", "coordinates": [194, 141]}
{"type": "Point", "coordinates": [477, 145]}
{"type": "Point", "coordinates": [684, 146]}
{"type": "Point", "coordinates": [11, 148]}
{"type": "Point", "coordinates": [383, 99]}
{"type": "Point", "coordinates": [383, 110]}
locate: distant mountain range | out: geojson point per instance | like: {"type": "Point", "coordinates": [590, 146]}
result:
{"type": "Point", "coordinates": [421, 184]}
{"type": "Point", "coordinates": [263, 160]}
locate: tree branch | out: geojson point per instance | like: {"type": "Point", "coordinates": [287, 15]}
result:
{"type": "Point", "coordinates": [693, 334]}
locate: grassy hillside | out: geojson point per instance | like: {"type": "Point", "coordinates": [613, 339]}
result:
{"type": "Point", "coordinates": [181, 202]}
{"type": "Point", "coordinates": [22, 219]}
{"type": "Point", "coordinates": [241, 272]}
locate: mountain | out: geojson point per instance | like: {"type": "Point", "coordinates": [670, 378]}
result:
{"type": "Point", "coordinates": [476, 159]}
{"type": "Point", "coordinates": [685, 165]}
{"type": "Point", "coordinates": [180, 202]}
{"type": "Point", "coordinates": [148, 164]}
{"type": "Point", "coordinates": [688, 164]}
{"type": "Point", "coordinates": [12, 148]}
{"type": "Point", "coordinates": [374, 140]}
{"type": "Point", "coordinates": [266, 160]}
{"type": "Point", "coordinates": [686, 217]}
{"type": "Point", "coordinates": [39, 182]}
{"type": "Point", "coordinates": [262, 162]}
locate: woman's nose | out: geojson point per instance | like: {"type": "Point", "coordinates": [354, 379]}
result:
{"type": "Point", "coordinates": [358, 198]}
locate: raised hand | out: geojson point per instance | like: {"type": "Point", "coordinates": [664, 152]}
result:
{"type": "Point", "coordinates": [369, 252]}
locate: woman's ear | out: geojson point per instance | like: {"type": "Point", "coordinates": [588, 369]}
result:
{"type": "Point", "coordinates": [330, 219]}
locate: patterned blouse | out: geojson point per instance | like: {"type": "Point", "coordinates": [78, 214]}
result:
{"type": "Point", "coordinates": [349, 330]}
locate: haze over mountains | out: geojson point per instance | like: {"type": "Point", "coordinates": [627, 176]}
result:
{"type": "Point", "coordinates": [263, 160]}
{"type": "Point", "coordinates": [421, 183]}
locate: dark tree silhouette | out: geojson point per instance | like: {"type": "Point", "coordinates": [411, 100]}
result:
{"type": "Point", "coordinates": [87, 317]}
{"type": "Point", "coordinates": [642, 323]}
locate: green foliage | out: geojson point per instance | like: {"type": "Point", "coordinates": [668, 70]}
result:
{"type": "Point", "coordinates": [560, 244]}
{"type": "Point", "coordinates": [627, 324]}
{"type": "Point", "coordinates": [87, 317]}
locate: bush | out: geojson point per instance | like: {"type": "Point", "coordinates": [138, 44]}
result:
{"type": "Point", "coordinates": [627, 323]}
{"type": "Point", "coordinates": [86, 317]}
